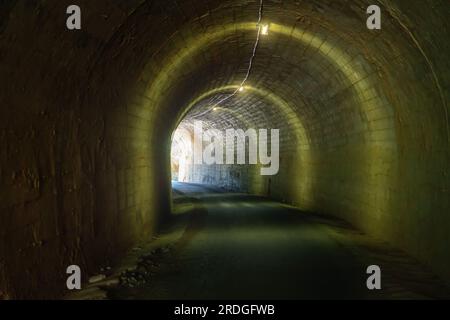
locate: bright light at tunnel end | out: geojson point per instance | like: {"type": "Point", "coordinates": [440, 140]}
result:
{"type": "Point", "coordinates": [192, 145]}
{"type": "Point", "coordinates": [233, 141]}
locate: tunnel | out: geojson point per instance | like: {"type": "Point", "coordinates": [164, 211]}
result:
{"type": "Point", "coordinates": [93, 118]}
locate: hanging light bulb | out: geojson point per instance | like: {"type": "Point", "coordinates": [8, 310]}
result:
{"type": "Point", "coordinates": [241, 89]}
{"type": "Point", "coordinates": [265, 29]}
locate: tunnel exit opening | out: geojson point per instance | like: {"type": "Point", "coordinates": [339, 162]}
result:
{"type": "Point", "coordinates": [181, 155]}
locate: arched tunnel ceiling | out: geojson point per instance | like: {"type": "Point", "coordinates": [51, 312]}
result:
{"type": "Point", "coordinates": [325, 68]}
{"type": "Point", "coordinates": [319, 57]}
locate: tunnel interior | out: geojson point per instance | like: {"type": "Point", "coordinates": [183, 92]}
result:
{"type": "Point", "coordinates": [95, 123]}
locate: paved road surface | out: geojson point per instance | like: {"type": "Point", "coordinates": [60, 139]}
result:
{"type": "Point", "coordinates": [243, 247]}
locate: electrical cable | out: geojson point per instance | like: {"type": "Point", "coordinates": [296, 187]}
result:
{"type": "Point", "coordinates": [250, 65]}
